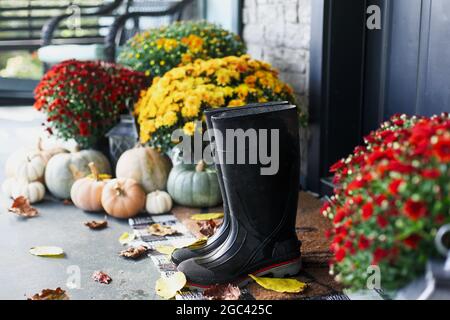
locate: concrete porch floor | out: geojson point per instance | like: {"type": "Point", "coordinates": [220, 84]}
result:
{"type": "Point", "coordinates": [22, 274]}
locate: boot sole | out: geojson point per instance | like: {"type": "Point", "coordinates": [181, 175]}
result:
{"type": "Point", "coordinates": [281, 270]}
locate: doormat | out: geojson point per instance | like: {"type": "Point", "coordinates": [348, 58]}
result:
{"type": "Point", "coordinates": [311, 227]}
{"type": "Point", "coordinates": [162, 261]}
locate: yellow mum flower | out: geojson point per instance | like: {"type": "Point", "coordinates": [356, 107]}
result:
{"type": "Point", "coordinates": [223, 77]}
{"type": "Point", "coordinates": [170, 118]}
{"type": "Point", "coordinates": [236, 103]}
{"type": "Point", "coordinates": [189, 128]}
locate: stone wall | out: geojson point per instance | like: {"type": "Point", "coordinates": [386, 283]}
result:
{"type": "Point", "coordinates": [279, 31]}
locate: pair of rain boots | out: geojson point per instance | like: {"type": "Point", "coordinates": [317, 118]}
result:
{"type": "Point", "coordinates": [258, 234]}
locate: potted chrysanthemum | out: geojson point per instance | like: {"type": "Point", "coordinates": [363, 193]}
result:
{"type": "Point", "coordinates": [392, 196]}
{"type": "Point", "coordinates": [157, 51]}
{"type": "Point", "coordinates": [83, 100]}
{"type": "Point", "coordinates": [177, 100]}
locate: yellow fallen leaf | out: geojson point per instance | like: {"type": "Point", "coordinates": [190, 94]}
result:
{"type": "Point", "coordinates": [168, 250]}
{"type": "Point", "coordinates": [126, 238]}
{"type": "Point", "coordinates": [207, 216]}
{"type": "Point", "coordinates": [46, 251]}
{"type": "Point", "coordinates": [199, 243]}
{"type": "Point", "coordinates": [280, 285]}
{"type": "Point", "coordinates": [167, 288]}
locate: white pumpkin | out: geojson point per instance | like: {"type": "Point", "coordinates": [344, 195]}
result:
{"type": "Point", "coordinates": [11, 163]}
{"type": "Point", "coordinates": [147, 166]}
{"type": "Point", "coordinates": [31, 168]}
{"type": "Point", "coordinates": [22, 155]}
{"type": "Point", "coordinates": [7, 186]}
{"type": "Point", "coordinates": [158, 202]}
{"type": "Point", "coordinates": [33, 191]}
{"type": "Point", "coordinates": [64, 169]}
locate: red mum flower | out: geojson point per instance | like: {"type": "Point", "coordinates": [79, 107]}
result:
{"type": "Point", "coordinates": [415, 209]}
{"type": "Point", "coordinates": [394, 186]}
{"type": "Point", "coordinates": [378, 255]}
{"type": "Point", "coordinates": [367, 211]}
{"type": "Point", "coordinates": [431, 174]}
{"type": "Point", "coordinates": [382, 222]}
{"type": "Point", "coordinates": [363, 243]}
{"type": "Point", "coordinates": [340, 255]}
{"type": "Point", "coordinates": [412, 241]}
{"type": "Point", "coordinates": [337, 166]}
{"type": "Point", "coordinates": [442, 149]}
{"type": "Point", "coordinates": [84, 129]}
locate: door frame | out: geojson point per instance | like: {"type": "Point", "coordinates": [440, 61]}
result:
{"type": "Point", "coordinates": [336, 85]}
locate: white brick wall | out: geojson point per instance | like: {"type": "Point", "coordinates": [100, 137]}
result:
{"type": "Point", "coordinates": [279, 31]}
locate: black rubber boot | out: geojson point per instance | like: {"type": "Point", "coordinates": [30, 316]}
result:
{"type": "Point", "coordinates": [263, 208]}
{"type": "Point", "coordinates": [180, 255]}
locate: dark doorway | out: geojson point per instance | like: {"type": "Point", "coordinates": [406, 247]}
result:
{"type": "Point", "coordinates": [361, 77]}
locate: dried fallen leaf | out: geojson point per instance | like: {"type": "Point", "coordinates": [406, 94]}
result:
{"type": "Point", "coordinates": [21, 206]}
{"type": "Point", "coordinates": [47, 251]}
{"type": "Point", "coordinates": [208, 228]}
{"type": "Point", "coordinates": [161, 231]}
{"type": "Point", "coordinates": [67, 202]}
{"type": "Point", "coordinates": [207, 216]}
{"type": "Point", "coordinates": [222, 292]}
{"type": "Point", "coordinates": [280, 285]}
{"type": "Point", "coordinates": [167, 288]}
{"type": "Point", "coordinates": [101, 277]}
{"type": "Point", "coordinates": [126, 238]}
{"type": "Point", "coordinates": [49, 294]}
{"type": "Point", "coordinates": [134, 253]}
{"type": "Point", "coordinates": [97, 225]}
{"type": "Point", "coordinates": [168, 250]}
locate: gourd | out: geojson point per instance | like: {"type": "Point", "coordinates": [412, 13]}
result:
{"type": "Point", "coordinates": [145, 165]}
{"type": "Point", "coordinates": [33, 191]}
{"type": "Point", "coordinates": [86, 193]}
{"type": "Point", "coordinates": [64, 169]}
{"type": "Point", "coordinates": [31, 168]}
{"type": "Point", "coordinates": [158, 202]}
{"type": "Point", "coordinates": [123, 198]}
{"type": "Point", "coordinates": [194, 185]}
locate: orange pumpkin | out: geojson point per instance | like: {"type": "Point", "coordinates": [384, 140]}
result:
{"type": "Point", "coordinates": [123, 198]}
{"type": "Point", "coordinates": [86, 193]}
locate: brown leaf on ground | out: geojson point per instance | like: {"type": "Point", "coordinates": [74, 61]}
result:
{"type": "Point", "coordinates": [208, 228]}
{"type": "Point", "coordinates": [101, 277]}
{"type": "Point", "coordinates": [161, 231]}
{"type": "Point", "coordinates": [67, 202]}
{"type": "Point", "coordinates": [223, 292]}
{"type": "Point", "coordinates": [97, 225]}
{"type": "Point", "coordinates": [134, 253]}
{"type": "Point", "coordinates": [21, 206]}
{"type": "Point", "coordinates": [49, 294]}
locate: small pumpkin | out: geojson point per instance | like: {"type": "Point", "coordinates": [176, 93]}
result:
{"type": "Point", "coordinates": [194, 186]}
{"type": "Point", "coordinates": [158, 202]}
{"type": "Point", "coordinates": [123, 198]}
{"type": "Point", "coordinates": [64, 169]}
{"type": "Point", "coordinates": [31, 168]}
{"type": "Point", "coordinates": [147, 166]}
{"type": "Point", "coordinates": [33, 191]}
{"type": "Point", "coordinates": [23, 154]}
{"type": "Point", "coordinates": [86, 193]}
{"type": "Point", "coordinates": [47, 154]}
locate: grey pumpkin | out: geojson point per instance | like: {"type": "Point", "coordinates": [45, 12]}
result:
{"type": "Point", "coordinates": [194, 186]}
